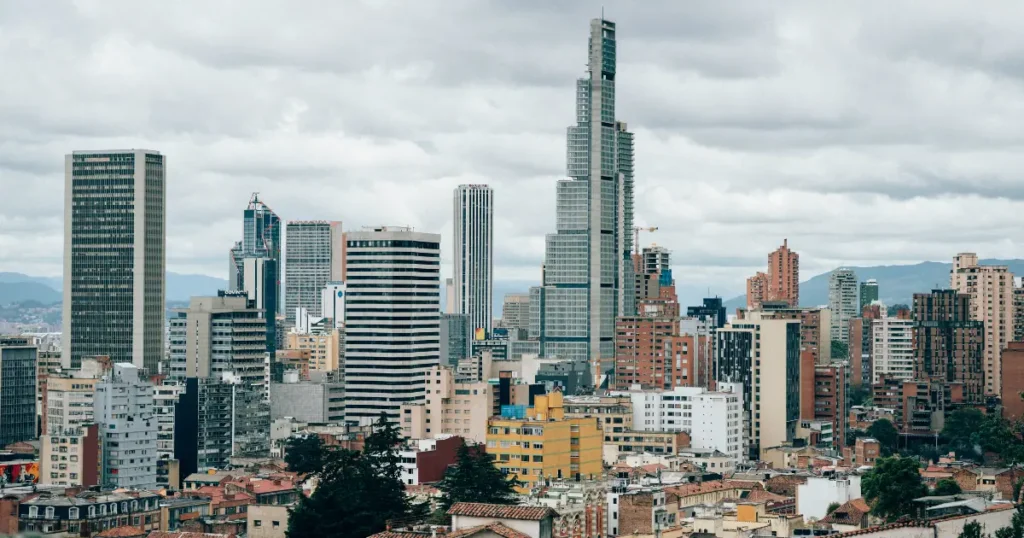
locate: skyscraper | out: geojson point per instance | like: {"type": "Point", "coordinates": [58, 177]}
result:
{"type": "Point", "coordinates": [392, 330]}
{"type": "Point", "coordinates": [587, 260]}
{"type": "Point", "coordinates": [313, 254]}
{"type": "Point", "coordinates": [114, 256]}
{"type": "Point", "coordinates": [515, 311]}
{"type": "Point", "coordinates": [473, 276]}
{"type": "Point", "coordinates": [842, 300]}
{"type": "Point", "coordinates": [780, 283]}
{"type": "Point", "coordinates": [261, 238]}
{"type": "Point", "coordinates": [991, 291]}
{"type": "Point", "coordinates": [868, 292]}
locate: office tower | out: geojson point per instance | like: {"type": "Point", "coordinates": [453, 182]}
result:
{"type": "Point", "coordinates": [313, 257]}
{"type": "Point", "coordinates": [332, 303]}
{"type": "Point", "coordinates": [123, 408]}
{"type": "Point", "coordinates": [473, 275]}
{"type": "Point", "coordinates": [842, 300]}
{"type": "Point", "coordinates": [991, 291]}
{"type": "Point", "coordinates": [763, 355]}
{"type": "Point", "coordinates": [261, 238]}
{"type": "Point", "coordinates": [17, 390]}
{"type": "Point", "coordinates": [392, 327]}
{"type": "Point", "coordinates": [712, 310]}
{"type": "Point", "coordinates": [780, 283]}
{"type": "Point", "coordinates": [515, 312]}
{"type": "Point", "coordinates": [260, 285]}
{"type": "Point", "coordinates": [587, 260]}
{"type": "Point", "coordinates": [114, 256]}
{"type": "Point", "coordinates": [949, 344]}
{"type": "Point", "coordinates": [868, 292]}
{"type": "Point", "coordinates": [892, 353]}
{"type": "Point", "coordinates": [455, 338]}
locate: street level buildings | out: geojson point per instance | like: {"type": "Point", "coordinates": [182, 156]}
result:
{"type": "Point", "coordinates": [473, 275]}
{"type": "Point", "coordinates": [114, 256]}
{"type": "Point", "coordinates": [392, 331]}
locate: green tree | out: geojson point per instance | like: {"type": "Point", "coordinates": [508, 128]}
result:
{"type": "Point", "coordinates": [305, 454]}
{"type": "Point", "coordinates": [891, 486]}
{"type": "Point", "coordinates": [946, 486]}
{"type": "Point", "coordinates": [832, 508]}
{"type": "Point", "coordinates": [885, 433]}
{"type": "Point", "coordinates": [858, 396]}
{"type": "Point", "coordinates": [381, 448]}
{"type": "Point", "coordinates": [971, 530]}
{"type": "Point", "coordinates": [840, 350]}
{"type": "Point", "coordinates": [475, 478]}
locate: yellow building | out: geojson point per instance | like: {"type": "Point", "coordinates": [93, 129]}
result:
{"type": "Point", "coordinates": [545, 444]}
{"type": "Point", "coordinates": [324, 348]}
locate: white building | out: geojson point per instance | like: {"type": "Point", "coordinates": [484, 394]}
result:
{"type": "Point", "coordinates": [714, 420]}
{"type": "Point", "coordinates": [123, 408]}
{"type": "Point", "coordinates": [892, 348]}
{"type": "Point", "coordinates": [332, 303]}
{"type": "Point", "coordinates": [392, 327]}
{"type": "Point", "coordinates": [814, 497]}
{"type": "Point", "coordinates": [842, 301]}
{"type": "Point", "coordinates": [165, 398]}
{"type": "Point", "coordinates": [473, 274]}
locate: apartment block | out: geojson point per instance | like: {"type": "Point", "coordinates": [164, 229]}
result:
{"type": "Point", "coordinates": [949, 344]}
{"type": "Point", "coordinates": [892, 352]}
{"type": "Point", "coordinates": [1013, 380]}
{"type": "Point", "coordinates": [71, 458]}
{"type": "Point", "coordinates": [324, 345]}
{"type": "Point", "coordinates": [831, 386]}
{"type": "Point", "coordinates": [450, 408]}
{"type": "Point", "coordinates": [308, 401]}
{"type": "Point", "coordinates": [640, 351]}
{"type": "Point", "coordinates": [842, 301]}
{"type": "Point", "coordinates": [123, 408]}
{"type": "Point", "coordinates": [781, 282]}
{"type": "Point", "coordinates": [614, 413]}
{"type": "Point", "coordinates": [546, 444]}
{"type": "Point", "coordinates": [991, 290]}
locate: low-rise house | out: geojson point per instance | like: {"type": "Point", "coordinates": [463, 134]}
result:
{"type": "Point", "coordinates": [488, 520]}
{"type": "Point", "coordinates": [86, 514]}
{"type": "Point", "coordinates": [850, 516]}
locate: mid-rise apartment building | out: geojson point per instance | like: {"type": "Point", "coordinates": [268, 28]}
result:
{"type": "Point", "coordinates": [450, 408]}
{"type": "Point", "coordinates": [842, 301]}
{"type": "Point", "coordinates": [71, 458]}
{"type": "Point", "coordinates": [614, 413]}
{"type": "Point", "coordinates": [949, 343]}
{"type": "Point", "coordinates": [831, 387]}
{"type": "Point", "coordinates": [123, 408]}
{"type": "Point", "coordinates": [991, 290]}
{"type": "Point", "coordinates": [324, 345]}
{"type": "Point", "coordinates": [892, 352]}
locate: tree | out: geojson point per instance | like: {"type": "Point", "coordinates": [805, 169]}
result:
{"type": "Point", "coordinates": [840, 350]}
{"type": "Point", "coordinates": [381, 448]}
{"type": "Point", "coordinates": [858, 396]}
{"type": "Point", "coordinates": [971, 530]}
{"type": "Point", "coordinates": [304, 455]}
{"type": "Point", "coordinates": [891, 487]}
{"type": "Point", "coordinates": [885, 433]}
{"type": "Point", "coordinates": [946, 486]}
{"type": "Point", "coordinates": [832, 508]}
{"type": "Point", "coordinates": [474, 478]}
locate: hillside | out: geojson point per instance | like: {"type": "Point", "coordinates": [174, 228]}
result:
{"type": "Point", "coordinates": [896, 283]}
{"type": "Point", "coordinates": [18, 287]}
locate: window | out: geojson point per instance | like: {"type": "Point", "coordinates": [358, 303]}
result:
{"type": "Point", "coordinates": [33, 511]}
{"type": "Point", "coordinates": [72, 513]}
{"type": "Point", "coordinates": [276, 524]}
{"type": "Point", "coordinates": [257, 523]}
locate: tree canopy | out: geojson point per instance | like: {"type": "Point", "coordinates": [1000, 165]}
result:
{"type": "Point", "coordinates": [891, 486]}
{"type": "Point", "coordinates": [946, 486]}
{"type": "Point", "coordinates": [971, 433]}
{"type": "Point", "coordinates": [304, 455]}
{"type": "Point", "coordinates": [886, 434]}
{"type": "Point", "coordinates": [475, 478]}
{"type": "Point", "coordinates": [840, 350]}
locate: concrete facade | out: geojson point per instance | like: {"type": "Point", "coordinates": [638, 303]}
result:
{"type": "Point", "coordinates": [991, 291]}
{"type": "Point", "coordinates": [123, 408]}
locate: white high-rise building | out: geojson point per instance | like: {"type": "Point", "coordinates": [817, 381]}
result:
{"type": "Point", "coordinates": [114, 256]}
{"type": "Point", "coordinates": [892, 351]}
{"type": "Point", "coordinates": [842, 301]}
{"type": "Point", "coordinates": [332, 303]}
{"type": "Point", "coordinates": [473, 275]}
{"type": "Point", "coordinates": [392, 325]}
{"type": "Point", "coordinates": [714, 420]}
{"type": "Point", "coordinates": [312, 258]}
{"type": "Point", "coordinates": [123, 408]}
{"type": "Point", "coordinates": [991, 291]}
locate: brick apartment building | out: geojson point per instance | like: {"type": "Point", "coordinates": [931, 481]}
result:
{"type": "Point", "coordinates": [949, 346]}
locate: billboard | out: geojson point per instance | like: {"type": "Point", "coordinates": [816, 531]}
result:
{"type": "Point", "coordinates": [480, 334]}
{"type": "Point", "coordinates": [18, 472]}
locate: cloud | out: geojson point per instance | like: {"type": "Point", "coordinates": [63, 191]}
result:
{"type": "Point", "coordinates": [865, 133]}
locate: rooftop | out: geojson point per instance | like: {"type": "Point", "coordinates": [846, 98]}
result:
{"type": "Point", "coordinates": [497, 511]}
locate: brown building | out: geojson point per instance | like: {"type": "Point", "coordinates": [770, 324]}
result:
{"type": "Point", "coordinates": [757, 290]}
{"type": "Point", "coordinates": [866, 450]}
{"type": "Point", "coordinates": [949, 347]}
{"type": "Point", "coordinates": [295, 359]}
{"type": "Point", "coordinates": [925, 404]}
{"type": "Point", "coordinates": [990, 288]}
{"type": "Point", "coordinates": [640, 352]}
{"type": "Point", "coordinates": [646, 512]}
{"type": "Point", "coordinates": [1013, 380]}
{"type": "Point", "coordinates": [887, 393]}
{"type": "Point", "coordinates": [784, 275]}
{"type": "Point", "coordinates": [1018, 315]}
{"type": "Point", "coordinates": [830, 387]}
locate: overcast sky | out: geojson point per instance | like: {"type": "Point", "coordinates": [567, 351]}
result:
{"type": "Point", "coordinates": [864, 132]}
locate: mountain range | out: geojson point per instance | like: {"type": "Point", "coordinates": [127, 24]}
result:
{"type": "Point", "coordinates": [18, 287]}
{"type": "Point", "coordinates": [896, 283]}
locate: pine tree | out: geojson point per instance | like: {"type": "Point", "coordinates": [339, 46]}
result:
{"type": "Point", "coordinates": [474, 478]}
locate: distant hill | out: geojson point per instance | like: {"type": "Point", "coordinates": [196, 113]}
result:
{"type": "Point", "coordinates": [896, 283]}
{"type": "Point", "coordinates": [18, 287]}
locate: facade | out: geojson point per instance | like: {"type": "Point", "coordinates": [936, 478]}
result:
{"type": "Point", "coordinates": [780, 283]}
{"type": "Point", "coordinates": [1013, 380]}
{"type": "Point", "coordinates": [473, 275]}
{"type": "Point", "coordinates": [425, 461]}
{"type": "Point", "coordinates": [515, 311]}
{"type": "Point", "coordinates": [949, 343]}
{"type": "Point", "coordinates": [71, 458]}
{"type": "Point", "coordinates": [640, 351]}
{"type": "Point", "coordinates": [545, 444]}
{"type": "Point", "coordinates": [266, 521]}
{"type": "Point", "coordinates": [842, 301]}
{"type": "Point", "coordinates": [712, 310]}
{"type": "Point", "coordinates": [324, 347]}
{"type": "Point", "coordinates": [1018, 314]}
{"type": "Point", "coordinates": [114, 256]}
{"type": "Point", "coordinates": [831, 386]}
{"type": "Point", "coordinates": [449, 408]}
{"type": "Point", "coordinates": [868, 292]}
{"type": "Point", "coordinates": [316, 402]}
{"type": "Point", "coordinates": [757, 290]}
{"type": "Point", "coordinates": [892, 352]}
{"type": "Point", "coordinates": [165, 402]}
{"type": "Point", "coordinates": [89, 513]}
{"type": "Point", "coordinates": [763, 357]}
{"type": "Point", "coordinates": [123, 408]}
{"type": "Point", "coordinates": [259, 282]}
{"type": "Point", "coordinates": [714, 420]}
{"type": "Point", "coordinates": [587, 276]}
{"type": "Point", "coordinates": [261, 238]}
{"type": "Point", "coordinates": [18, 371]}
{"type": "Point", "coordinates": [68, 401]}
{"type": "Point", "coordinates": [614, 413]}
{"type": "Point", "coordinates": [313, 257]}
{"type": "Point", "coordinates": [392, 329]}
{"type": "Point", "coordinates": [991, 291]}
{"type": "Point", "coordinates": [455, 338]}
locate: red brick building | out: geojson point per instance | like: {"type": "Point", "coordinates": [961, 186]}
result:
{"type": "Point", "coordinates": [1013, 380]}
{"type": "Point", "coordinates": [640, 345]}
{"type": "Point", "coordinates": [830, 385]}
{"type": "Point", "coordinates": [949, 347]}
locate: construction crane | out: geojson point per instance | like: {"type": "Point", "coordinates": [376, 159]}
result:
{"type": "Point", "coordinates": [636, 236]}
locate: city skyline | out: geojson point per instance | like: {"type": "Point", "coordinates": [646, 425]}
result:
{"type": "Point", "coordinates": [704, 196]}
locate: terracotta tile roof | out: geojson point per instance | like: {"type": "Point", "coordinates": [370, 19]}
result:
{"type": "Point", "coordinates": [168, 534]}
{"type": "Point", "coordinates": [498, 511]}
{"type": "Point", "coordinates": [122, 532]}
{"type": "Point", "coordinates": [496, 528]}
{"type": "Point", "coordinates": [404, 534]}
{"type": "Point", "coordinates": [712, 485]}
{"type": "Point", "coordinates": [760, 495]}
{"type": "Point", "coordinates": [917, 523]}
{"type": "Point", "coordinates": [422, 489]}
{"type": "Point", "coordinates": [850, 513]}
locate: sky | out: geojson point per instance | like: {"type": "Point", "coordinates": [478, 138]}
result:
{"type": "Point", "coordinates": [865, 133]}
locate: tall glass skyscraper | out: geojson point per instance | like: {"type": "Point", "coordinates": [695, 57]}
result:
{"type": "Point", "coordinates": [473, 275]}
{"type": "Point", "coordinates": [114, 256]}
{"type": "Point", "coordinates": [588, 274]}
{"type": "Point", "coordinates": [261, 238]}
{"type": "Point", "coordinates": [312, 259]}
